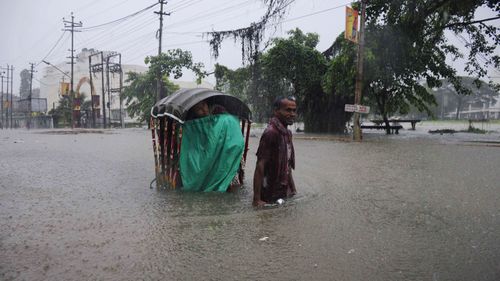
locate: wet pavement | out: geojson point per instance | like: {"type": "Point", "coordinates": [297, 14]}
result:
{"type": "Point", "coordinates": [408, 207]}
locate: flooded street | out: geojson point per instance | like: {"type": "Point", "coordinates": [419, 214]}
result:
{"type": "Point", "coordinates": [412, 206]}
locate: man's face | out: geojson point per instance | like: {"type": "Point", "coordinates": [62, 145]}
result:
{"type": "Point", "coordinates": [287, 112]}
{"type": "Point", "coordinates": [201, 109]}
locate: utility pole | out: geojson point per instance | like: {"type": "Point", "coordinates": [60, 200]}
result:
{"type": "Point", "coordinates": [94, 68]}
{"type": "Point", "coordinates": [70, 26]}
{"type": "Point", "coordinates": [113, 67]}
{"type": "Point", "coordinates": [103, 93]}
{"type": "Point", "coordinates": [359, 73]}
{"type": "Point", "coordinates": [122, 122]}
{"type": "Point", "coordinates": [7, 123]}
{"type": "Point", "coordinates": [8, 110]}
{"type": "Point", "coordinates": [28, 125]}
{"type": "Point", "coordinates": [1, 101]}
{"type": "Point", "coordinates": [11, 93]}
{"type": "Point", "coordinates": [108, 90]}
{"type": "Point", "coordinates": [159, 84]}
{"type": "Point", "coordinates": [91, 91]}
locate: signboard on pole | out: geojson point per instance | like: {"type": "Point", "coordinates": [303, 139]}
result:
{"type": "Point", "coordinates": [350, 108]}
{"type": "Point", "coordinates": [64, 88]}
{"type": "Point", "coordinates": [351, 24]}
{"type": "Point", "coordinates": [357, 108]}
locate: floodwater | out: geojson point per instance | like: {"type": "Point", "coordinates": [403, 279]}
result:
{"type": "Point", "coordinates": [405, 207]}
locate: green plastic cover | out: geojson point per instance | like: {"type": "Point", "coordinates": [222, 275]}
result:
{"type": "Point", "coordinates": [211, 152]}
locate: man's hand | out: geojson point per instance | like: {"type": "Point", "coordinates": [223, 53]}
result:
{"type": "Point", "coordinates": [257, 183]}
{"type": "Point", "coordinates": [258, 203]}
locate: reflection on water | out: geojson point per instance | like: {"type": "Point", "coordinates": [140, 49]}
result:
{"type": "Point", "coordinates": [79, 207]}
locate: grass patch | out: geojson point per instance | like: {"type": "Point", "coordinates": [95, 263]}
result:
{"type": "Point", "coordinates": [443, 131]}
{"type": "Point", "coordinates": [474, 130]}
{"type": "Point", "coordinates": [471, 130]}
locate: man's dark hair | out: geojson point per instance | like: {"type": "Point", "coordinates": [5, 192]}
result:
{"type": "Point", "coordinates": [279, 101]}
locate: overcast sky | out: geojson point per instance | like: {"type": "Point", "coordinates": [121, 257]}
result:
{"type": "Point", "coordinates": [32, 30]}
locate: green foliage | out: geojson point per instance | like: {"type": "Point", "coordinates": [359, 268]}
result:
{"type": "Point", "coordinates": [406, 44]}
{"type": "Point", "coordinates": [341, 73]}
{"type": "Point", "coordinates": [172, 63]}
{"type": "Point", "coordinates": [140, 95]}
{"type": "Point", "coordinates": [62, 114]}
{"type": "Point", "coordinates": [295, 60]}
{"type": "Point", "coordinates": [233, 82]}
{"type": "Point", "coordinates": [251, 36]}
{"type": "Point", "coordinates": [292, 66]}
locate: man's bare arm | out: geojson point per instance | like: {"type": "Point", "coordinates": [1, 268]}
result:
{"type": "Point", "coordinates": [257, 182]}
{"type": "Point", "coordinates": [292, 184]}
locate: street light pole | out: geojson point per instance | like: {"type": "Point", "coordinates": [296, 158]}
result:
{"type": "Point", "coordinates": [1, 101]}
{"type": "Point", "coordinates": [48, 63]}
{"type": "Point", "coordinates": [359, 73]}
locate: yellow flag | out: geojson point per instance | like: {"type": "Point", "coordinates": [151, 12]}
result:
{"type": "Point", "coordinates": [351, 24]}
{"type": "Point", "coordinates": [64, 88]}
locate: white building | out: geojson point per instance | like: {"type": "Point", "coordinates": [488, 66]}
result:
{"type": "Point", "coordinates": [55, 73]}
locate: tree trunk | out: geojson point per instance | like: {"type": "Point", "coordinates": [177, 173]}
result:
{"type": "Point", "coordinates": [387, 125]}
{"type": "Point", "coordinates": [324, 113]}
{"type": "Point", "coordinates": [459, 106]}
{"type": "Point", "coordinates": [380, 98]}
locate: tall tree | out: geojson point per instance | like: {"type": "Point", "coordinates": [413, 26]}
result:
{"type": "Point", "coordinates": [294, 61]}
{"type": "Point", "coordinates": [233, 82]}
{"type": "Point", "coordinates": [418, 49]}
{"type": "Point", "coordinates": [322, 82]}
{"type": "Point", "coordinates": [139, 96]}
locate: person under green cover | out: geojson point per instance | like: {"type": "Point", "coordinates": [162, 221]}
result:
{"type": "Point", "coordinates": [211, 150]}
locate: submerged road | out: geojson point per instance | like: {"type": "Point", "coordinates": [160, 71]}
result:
{"type": "Point", "coordinates": [407, 207]}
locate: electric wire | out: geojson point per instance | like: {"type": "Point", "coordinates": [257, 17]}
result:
{"type": "Point", "coordinates": [114, 43]}
{"type": "Point", "coordinates": [315, 13]}
{"type": "Point", "coordinates": [104, 10]}
{"type": "Point", "coordinates": [120, 19]}
{"type": "Point", "coordinates": [481, 56]}
{"type": "Point", "coordinates": [177, 4]}
{"type": "Point", "coordinates": [204, 15]}
{"type": "Point", "coordinates": [52, 49]}
{"type": "Point", "coordinates": [283, 21]}
{"type": "Point", "coordinates": [126, 29]}
{"type": "Point", "coordinates": [186, 5]}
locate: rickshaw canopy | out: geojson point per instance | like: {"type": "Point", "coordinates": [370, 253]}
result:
{"type": "Point", "coordinates": [178, 104]}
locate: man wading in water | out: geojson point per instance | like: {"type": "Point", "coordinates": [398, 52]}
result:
{"type": "Point", "coordinates": [275, 156]}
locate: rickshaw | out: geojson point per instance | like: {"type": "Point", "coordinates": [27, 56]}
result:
{"type": "Point", "coordinates": [171, 116]}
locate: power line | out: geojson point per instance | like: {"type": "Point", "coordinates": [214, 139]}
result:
{"type": "Point", "coordinates": [273, 24]}
{"type": "Point", "coordinates": [481, 56]}
{"type": "Point", "coordinates": [121, 28]}
{"type": "Point", "coordinates": [186, 5]}
{"type": "Point", "coordinates": [57, 42]}
{"type": "Point", "coordinates": [120, 19]}
{"type": "Point", "coordinates": [315, 13]}
{"type": "Point", "coordinates": [105, 37]}
{"type": "Point", "coordinates": [104, 10]}
{"type": "Point", "coordinates": [203, 15]}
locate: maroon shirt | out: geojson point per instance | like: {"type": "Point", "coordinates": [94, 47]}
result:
{"type": "Point", "coordinates": [276, 148]}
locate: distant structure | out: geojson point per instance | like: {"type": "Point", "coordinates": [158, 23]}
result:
{"type": "Point", "coordinates": [483, 104]}
{"type": "Point", "coordinates": [53, 75]}
{"type": "Point", "coordinates": [57, 73]}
